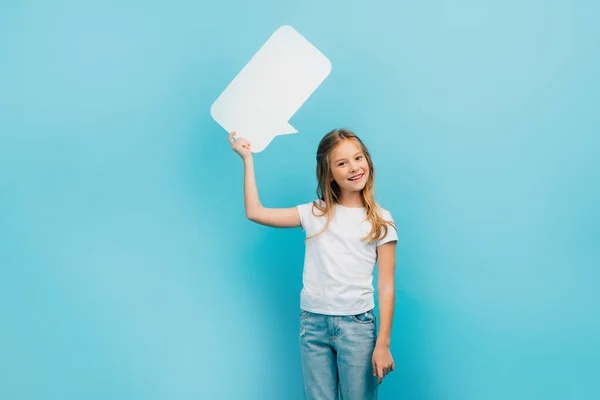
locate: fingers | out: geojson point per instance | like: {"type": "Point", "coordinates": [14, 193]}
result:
{"type": "Point", "coordinates": [243, 144]}
{"type": "Point", "coordinates": [381, 372]}
{"type": "Point", "coordinates": [231, 139]}
{"type": "Point", "coordinates": [240, 145]}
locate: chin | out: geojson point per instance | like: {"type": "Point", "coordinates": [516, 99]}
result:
{"type": "Point", "coordinates": [356, 188]}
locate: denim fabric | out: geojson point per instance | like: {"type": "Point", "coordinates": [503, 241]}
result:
{"type": "Point", "coordinates": [336, 354]}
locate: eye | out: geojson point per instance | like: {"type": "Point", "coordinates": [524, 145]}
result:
{"type": "Point", "coordinates": [359, 157]}
{"type": "Point", "coordinates": [342, 163]}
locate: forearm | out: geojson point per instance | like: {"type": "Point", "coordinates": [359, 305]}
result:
{"type": "Point", "coordinates": [386, 314]}
{"type": "Point", "coordinates": [275, 217]}
{"type": "Point", "coordinates": [251, 199]}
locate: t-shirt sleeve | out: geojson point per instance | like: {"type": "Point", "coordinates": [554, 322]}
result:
{"type": "Point", "coordinates": [305, 211]}
{"type": "Point", "coordinates": [391, 231]}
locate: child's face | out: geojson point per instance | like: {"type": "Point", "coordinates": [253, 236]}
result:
{"type": "Point", "coordinates": [349, 166]}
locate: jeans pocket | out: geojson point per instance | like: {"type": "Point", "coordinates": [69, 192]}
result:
{"type": "Point", "coordinates": [304, 314]}
{"type": "Point", "coordinates": [368, 317]}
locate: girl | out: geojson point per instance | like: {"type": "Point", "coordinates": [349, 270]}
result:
{"type": "Point", "coordinates": [346, 234]}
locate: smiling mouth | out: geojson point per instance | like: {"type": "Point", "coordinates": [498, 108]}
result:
{"type": "Point", "coordinates": [356, 178]}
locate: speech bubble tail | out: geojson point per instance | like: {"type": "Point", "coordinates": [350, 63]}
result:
{"type": "Point", "coordinates": [285, 129]}
{"type": "Point", "coordinates": [268, 131]}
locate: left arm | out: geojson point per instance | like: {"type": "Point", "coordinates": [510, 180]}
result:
{"type": "Point", "coordinates": [383, 362]}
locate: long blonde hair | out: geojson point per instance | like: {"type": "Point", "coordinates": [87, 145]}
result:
{"type": "Point", "coordinates": [328, 191]}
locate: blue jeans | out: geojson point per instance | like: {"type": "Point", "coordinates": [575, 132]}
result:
{"type": "Point", "coordinates": [336, 353]}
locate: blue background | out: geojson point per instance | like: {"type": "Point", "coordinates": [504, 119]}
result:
{"type": "Point", "coordinates": [128, 269]}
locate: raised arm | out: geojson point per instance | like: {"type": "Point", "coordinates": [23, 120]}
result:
{"type": "Point", "coordinates": [275, 217]}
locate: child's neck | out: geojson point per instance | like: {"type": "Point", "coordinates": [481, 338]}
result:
{"type": "Point", "coordinates": [351, 200]}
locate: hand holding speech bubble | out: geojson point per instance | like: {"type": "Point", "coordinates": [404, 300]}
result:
{"type": "Point", "coordinates": [268, 91]}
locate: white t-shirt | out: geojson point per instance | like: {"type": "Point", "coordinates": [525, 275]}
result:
{"type": "Point", "coordinates": [338, 265]}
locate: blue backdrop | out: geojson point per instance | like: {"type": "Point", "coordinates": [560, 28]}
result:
{"type": "Point", "coordinates": [128, 269]}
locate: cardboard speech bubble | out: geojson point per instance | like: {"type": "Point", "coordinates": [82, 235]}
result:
{"type": "Point", "coordinates": [268, 91]}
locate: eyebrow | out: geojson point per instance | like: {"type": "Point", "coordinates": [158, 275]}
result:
{"type": "Point", "coordinates": [340, 159]}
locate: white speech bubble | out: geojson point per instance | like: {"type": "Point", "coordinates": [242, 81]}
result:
{"type": "Point", "coordinates": [268, 91]}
